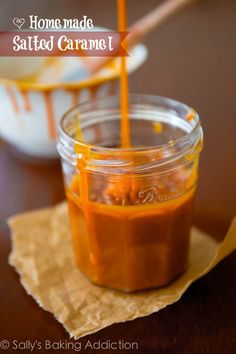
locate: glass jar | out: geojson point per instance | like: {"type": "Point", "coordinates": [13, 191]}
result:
{"type": "Point", "coordinates": [131, 209]}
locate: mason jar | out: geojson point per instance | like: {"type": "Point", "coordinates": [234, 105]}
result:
{"type": "Point", "coordinates": [131, 208]}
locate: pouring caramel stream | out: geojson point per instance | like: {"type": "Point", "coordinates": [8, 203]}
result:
{"type": "Point", "coordinates": [125, 124]}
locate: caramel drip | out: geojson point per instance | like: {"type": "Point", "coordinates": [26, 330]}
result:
{"type": "Point", "coordinates": [84, 194]}
{"type": "Point", "coordinates": [13, 100]}
{"type": "Point", "coordinates": [112, 88]}
{"type": "Point", "coordinates": [50, 116]}
{"type": "Point", "coordinates": [93, 91]}
{"type": "Point", "coordinates": [75, 97]}
{"type": "Point", "coordinates": [125, 124]}
{"type": "Point", "coordinates": [93, 95]}
{"type": "Point", "coordinates": [26, 100]}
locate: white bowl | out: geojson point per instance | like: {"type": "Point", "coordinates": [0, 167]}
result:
{"type": "Point", "coordinates": [31, 110]}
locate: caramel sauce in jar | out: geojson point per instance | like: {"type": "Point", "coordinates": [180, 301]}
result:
{"type": "Point", "coordinates": [131, 208]}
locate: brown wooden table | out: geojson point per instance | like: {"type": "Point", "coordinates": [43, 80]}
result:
{"type": "Point", "coordinates": [193, 59]}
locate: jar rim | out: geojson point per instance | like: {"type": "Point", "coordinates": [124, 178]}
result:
{"type": "Point", "coordinates": [187, 141]}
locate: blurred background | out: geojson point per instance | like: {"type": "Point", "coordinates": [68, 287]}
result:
{"type": "Point", "coordinates": [192, 58]}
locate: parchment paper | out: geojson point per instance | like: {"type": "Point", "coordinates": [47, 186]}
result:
{"type": "Point", "coordinates": [42, 255]}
